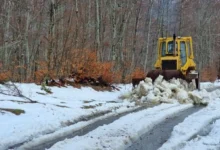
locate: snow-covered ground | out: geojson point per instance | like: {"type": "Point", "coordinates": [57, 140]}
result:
{"type": "Point", "coordinates": [68, 109]}
{"type": "Point", "coordinates": [184, 135]}
{"type": "Point", "coordinates": [206, 85]}
{"type": "Point", "coordinates": [53, 111]}
{"type": "Point", "coordinates": [204, 122]}
{"type": "Point", "coordinates": [121, 133]}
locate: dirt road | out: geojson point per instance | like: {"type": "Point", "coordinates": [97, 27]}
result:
{"type": "Point", "coordinates": [160, 133]}
{"type": "Point", "coordinates": [49, 142]}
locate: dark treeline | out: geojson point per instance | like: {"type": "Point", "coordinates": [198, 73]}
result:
{"type": "Point", "coordinates": [55, 35]}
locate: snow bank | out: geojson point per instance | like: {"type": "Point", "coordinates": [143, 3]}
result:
{"type": "Point", "coordinates": [211, 141]}
{"type": "Point", "coordinates": [162, 91]}
{"type": "Point", "coordinates": [206, 85]}
{"type": "Point", "coordinates": [217, 83]}
{"type": "Point", "coordinates": [122, 132]}
{"type": "Point", "coordinates": [52, 112]}
{"type": "Point", "coordinates": [194, 124]}
{"type": "Point", "coordinates": [65, 131]}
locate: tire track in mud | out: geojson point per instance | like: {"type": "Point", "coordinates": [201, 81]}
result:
{"type": "Point", "coordinates": [99, 122]}
{"type": "Point", "coordinates": [155, 138]}
{"type": "Point", "coordinates": [205, 130]}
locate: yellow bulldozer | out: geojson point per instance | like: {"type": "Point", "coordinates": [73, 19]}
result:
{"type": "Point", "coordinates": [175, 59]}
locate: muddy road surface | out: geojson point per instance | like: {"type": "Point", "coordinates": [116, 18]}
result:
{"type": "Point", "coordinates": [50, 142]}
{"type": "Point", "coordinates": [154, 139]}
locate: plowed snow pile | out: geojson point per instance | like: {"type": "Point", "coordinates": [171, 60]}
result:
{"type": "Point", "coordinates": [162, 91]}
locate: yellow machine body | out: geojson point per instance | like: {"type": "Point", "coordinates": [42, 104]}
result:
{"type": "Point", "coordinates": [178, 56]}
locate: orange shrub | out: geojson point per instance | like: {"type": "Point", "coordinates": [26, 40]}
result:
{"type": "Point", "coordinates": [208, 74]}
{"type": "Point", "coordinates": [5, 76]}
{"type": "Point", "coordinates": [117, 77]}
{"type": "Point", "coordinates": [138, 73]}
{"type": "Point", "coordinates": [88, 66]}
{"type": "Point", "coordinates": [43, 71]}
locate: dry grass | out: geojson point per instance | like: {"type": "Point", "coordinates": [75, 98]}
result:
{"type": "Point", "coordinates": [14, 111]}
{"type": "Point", "coordinates": [87, 101]}
{"type": "Point", "coordinates": [91, 106]}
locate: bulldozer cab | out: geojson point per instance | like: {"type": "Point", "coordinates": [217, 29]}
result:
{"type": "Point", "coordinates": [175, 59]}
{"type": "Point", "coordinates": [175, 54]}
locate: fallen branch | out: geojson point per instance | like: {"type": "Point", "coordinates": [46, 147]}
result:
{"type": "Point", "coordinates": [14, 91]}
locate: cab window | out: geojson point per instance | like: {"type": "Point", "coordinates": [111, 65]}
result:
{"type": "Point", "coordinates": [183, 52]}
{"type": "Point", "coordinates": [171, 47]}
{"type": "Point", "coordinates": [163, 49]}
{"type": "Point", "coordinates": [189, 48]}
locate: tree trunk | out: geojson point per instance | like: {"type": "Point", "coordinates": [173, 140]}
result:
{"type": "Point", "coordinates": [51, 34]}
{"type": "Point", "coordinates": [97, 4]}
{"type": "Point", "coordinates": [148, 38]}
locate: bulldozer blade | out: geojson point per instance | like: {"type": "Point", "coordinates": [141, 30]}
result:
{"type": "Point", "coordinates": [167, 74]}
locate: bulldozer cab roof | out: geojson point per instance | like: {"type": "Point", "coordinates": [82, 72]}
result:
{"type": "Point", "coordinates": [177, 38]}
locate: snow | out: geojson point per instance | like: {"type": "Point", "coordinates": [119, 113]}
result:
{"type": "Point", "coordinates": [217, 83]}
{"type": "Point", "coordinates": [210, 141]}
{"type": "Point", "coordinates": [162, 91]}
{"type": "Point", "coordinates": [68, 129]}
{"type": "Point", "coordinates": [121, 133]}
{"type": "Point", "coordinates": [53, 111]}
{"type": "Point", "coordinates": [193, 124]}
{"type": "Point", "coordinates": [67, 109]}
{"type": "Point", "coordinates": [205, 85]}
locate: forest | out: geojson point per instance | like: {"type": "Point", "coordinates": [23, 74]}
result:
{"type": "Point", "coordinates": [115, 39]}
